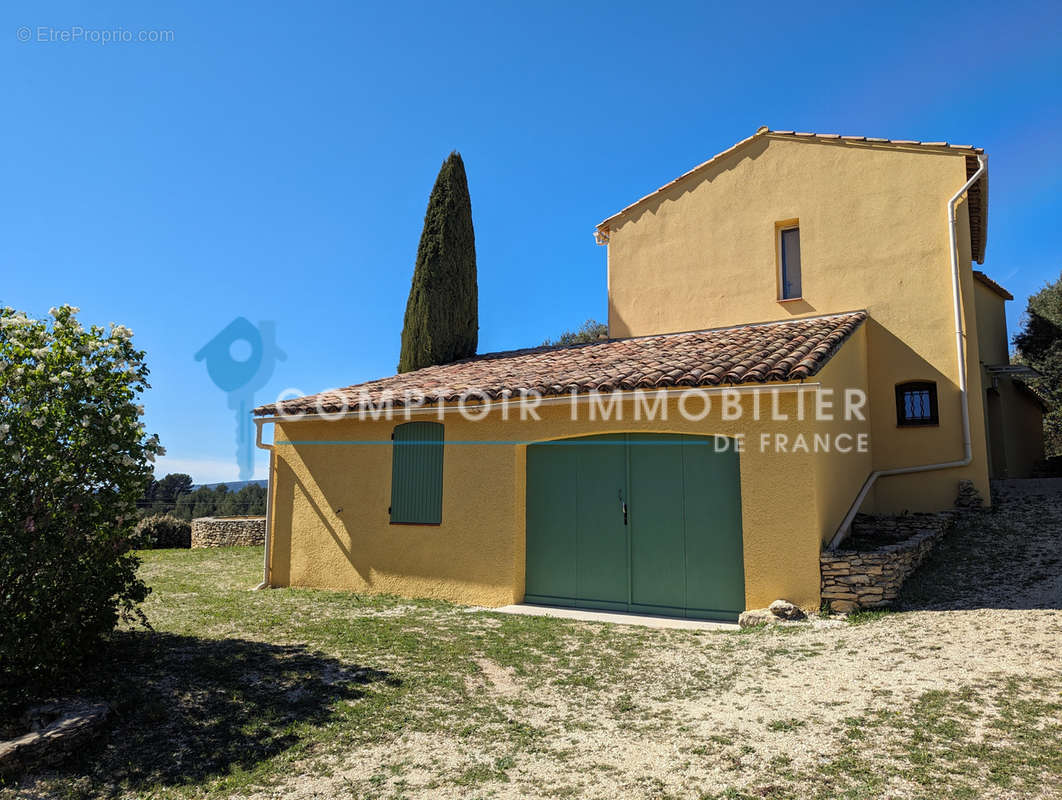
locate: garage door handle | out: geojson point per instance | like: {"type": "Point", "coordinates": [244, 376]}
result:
{"type": "Point", "coordinates": [623, 506]}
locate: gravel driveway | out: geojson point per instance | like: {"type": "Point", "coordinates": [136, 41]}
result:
{"type": "Point", "coordinates": [312, 694]}
{"type": "Point", "coordinates": [957, 694]}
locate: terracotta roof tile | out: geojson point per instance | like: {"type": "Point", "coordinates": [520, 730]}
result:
{"type": "Point", "coordinates": [977, 198]}
{"type": "Point", "coordinates": [877, 139]}
{"type": "Point", "coordinates": [775, 351]}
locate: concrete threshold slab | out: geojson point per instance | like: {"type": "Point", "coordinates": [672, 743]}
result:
{"type": "Point", "coordinates": [616, 617]}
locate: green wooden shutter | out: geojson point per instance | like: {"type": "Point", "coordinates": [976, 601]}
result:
{"type": "Point", "coordinates": [417, 473]}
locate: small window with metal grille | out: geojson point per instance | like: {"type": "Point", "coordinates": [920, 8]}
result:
{"type": "Point", "coordinates": [916, 404]}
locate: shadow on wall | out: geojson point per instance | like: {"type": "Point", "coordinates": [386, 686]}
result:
{"type": "Point", "coordinates": [318, 543]}
{"type": "Point", "coordinates": [679, 187]}
{"type": "Point", "coordinates": [789, 308]}
{"type": "Point", "coordinates": [189, 709]}
{"type": "Point", "coordinates": [891, 361]}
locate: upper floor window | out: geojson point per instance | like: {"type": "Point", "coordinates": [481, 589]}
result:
{"type": "Point", "coordinates": [789, 257]}
{"type": "Point", "coordinates": [916, 404]}
{"type": "Point", "coordinates": [417, 473]}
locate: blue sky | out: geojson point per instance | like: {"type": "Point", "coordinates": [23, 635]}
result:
{"type": "Point", "coordinates": [274, 160]}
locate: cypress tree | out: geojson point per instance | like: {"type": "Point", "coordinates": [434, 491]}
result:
{"type": "Point", "coordinates": [442, 313]}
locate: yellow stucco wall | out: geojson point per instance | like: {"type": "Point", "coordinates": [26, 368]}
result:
{"type": "Point", "coordinates": [840, 477]}
{"type": "Point", "coordinates": [1013, 419]}
{"type": "Point", "coordinates": [332, 490]}
{"type": "Point", "coordinates": [1023, 430]}
{"type": "Point", "coordinates": [332, 528]}
{"type": "Point", "coordinates": [873, 235]}
{"type": "Point", "coordinates": [992, 345]}
{"type": "Point", "coordinates": [991, 325]}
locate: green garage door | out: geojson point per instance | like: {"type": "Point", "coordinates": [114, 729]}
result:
{"type": "Point", "coordinates": [635, 522]}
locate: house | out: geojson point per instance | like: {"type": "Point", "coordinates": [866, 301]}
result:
{"type": "Point", "coordinates": [1013, 412]}
{"type": "Point", "coordinates": [795, 335]}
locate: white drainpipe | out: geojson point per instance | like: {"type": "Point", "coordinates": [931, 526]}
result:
{"type": "Point", "coordinates": [960, 357]}
{"type": "Point", "coordinates": [269, 503]}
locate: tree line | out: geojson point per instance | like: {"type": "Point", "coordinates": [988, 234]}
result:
{"type": "Point", "coordinates": [174, 495]}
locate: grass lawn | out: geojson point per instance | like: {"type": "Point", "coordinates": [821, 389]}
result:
{"type": "Point", "coordinates": [304, 694]}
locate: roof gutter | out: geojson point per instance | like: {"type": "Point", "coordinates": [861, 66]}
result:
{"type": "Point", "coordinates": [960, 358]}
{"type": "Point", "coordinates": [269, 502]}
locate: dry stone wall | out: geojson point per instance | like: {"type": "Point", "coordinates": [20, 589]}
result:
{"type": "Point", "coordinates": [228, 531]}
{"type": "Point", "coordinates": [56, 730]}
{"type": "Point", "coordinates": [881, 553]}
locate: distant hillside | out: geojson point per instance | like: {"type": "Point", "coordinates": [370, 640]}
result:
{"type": "Point", "coordinates": [233, 486]}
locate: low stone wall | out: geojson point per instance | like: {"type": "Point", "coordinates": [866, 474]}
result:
{"type": "Point", "coordinates": [877, 558]}
{"type": "Point", "coordinates": [56, 730]}
{"type": "Point", "coordinates": [228, 531]}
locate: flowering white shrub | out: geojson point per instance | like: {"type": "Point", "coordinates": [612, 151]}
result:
{"type": "Point", "coordinates": [74, 458]}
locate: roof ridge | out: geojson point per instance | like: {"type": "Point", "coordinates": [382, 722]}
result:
{"type": "Point", "coordinates": [763, 130]}
{"type": "Point", "coordinates": [967, 148]}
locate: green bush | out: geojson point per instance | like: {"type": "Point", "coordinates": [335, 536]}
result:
{"type": "Point", "coordinates": [163, 530]}
{"type": "Point", "coordinates": [591, 331]}
{"type": "Point", "coordinates": [74, 459]}
{"type": "Point", "coordinates": [1039, 345]}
